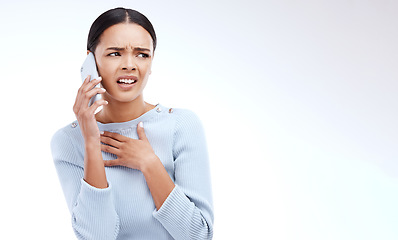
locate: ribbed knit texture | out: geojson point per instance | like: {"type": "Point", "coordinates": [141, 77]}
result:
{"type": "Point", "coordinates": [125, 210]}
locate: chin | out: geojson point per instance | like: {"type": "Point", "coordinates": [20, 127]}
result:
{"type": "Point", "coordinates": [123, 97]}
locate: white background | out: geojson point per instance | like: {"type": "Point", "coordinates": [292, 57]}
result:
{"type": "Point", "coordinates": [298, 100]}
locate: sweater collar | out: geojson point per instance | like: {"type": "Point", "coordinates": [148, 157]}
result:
{"type": "Point", "coordinates": [132, 123]}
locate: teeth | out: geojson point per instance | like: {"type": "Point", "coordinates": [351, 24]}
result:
{"type": "Point", "coordinates": [128, 81]}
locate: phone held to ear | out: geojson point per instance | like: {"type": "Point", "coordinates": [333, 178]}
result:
{"type": "Point", "coordinates": [89, 67]}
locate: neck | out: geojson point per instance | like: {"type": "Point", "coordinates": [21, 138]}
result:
{"type": "Point", "coordinates": [116, 111]}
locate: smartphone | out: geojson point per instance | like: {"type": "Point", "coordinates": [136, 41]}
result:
{"type": "Point", "coordinates": [89, 67]}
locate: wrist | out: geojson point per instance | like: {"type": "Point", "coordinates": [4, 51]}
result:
{"type": "Point", "coordinates": [149, 164]}
{"type": "Point", "coordinates": [92, 143]}
{"type": "Point", "coordinates": [92, 150]}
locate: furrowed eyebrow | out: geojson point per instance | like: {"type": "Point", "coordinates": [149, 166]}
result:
{"type": "Point", "coordinates": [115, 48]}
{"type": "Point", "coordinates": [142, 49]}
{"type": "Point", "coordinates": [121, 49]}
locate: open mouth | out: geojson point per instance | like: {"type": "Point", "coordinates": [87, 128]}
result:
{"type": "Point", "coordinates": [126, 81]}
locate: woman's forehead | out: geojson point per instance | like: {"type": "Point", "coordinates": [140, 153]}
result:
{"type": "Point", "coordinates": [126, 35]}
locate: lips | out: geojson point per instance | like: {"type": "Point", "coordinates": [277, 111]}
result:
{"type": "Point", "coordinates": [127, 79]}
{"type": "Point", "coordinates": [126, 82]}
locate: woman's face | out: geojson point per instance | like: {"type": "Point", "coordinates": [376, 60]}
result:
{"type": "Point", "coordinates": [124, 59]}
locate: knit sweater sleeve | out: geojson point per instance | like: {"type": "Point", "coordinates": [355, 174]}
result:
{"type": "Point", "coordinates": [187, 213]}
{"type": "Point", "coordinates": [92, 209]}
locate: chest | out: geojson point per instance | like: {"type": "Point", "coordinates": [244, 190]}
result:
{"type": "Point", "coordinates": [161, 141]}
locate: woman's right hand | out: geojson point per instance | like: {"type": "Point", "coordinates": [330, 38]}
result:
{"type": "Point", "coordinates": [84, 113]}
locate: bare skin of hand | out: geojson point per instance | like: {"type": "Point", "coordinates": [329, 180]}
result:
{"type": "Point", "coordinates": [138, 154]}
{"type": "Point", "coordinates": [132, 153]}
{"type": "Point", "coordinates": [84, 113]}
{"type": "Point", "coordinates": [94, 170]}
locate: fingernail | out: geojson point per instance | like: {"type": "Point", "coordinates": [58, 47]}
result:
{"type": "Point", "coordinates": [102, 132]}
{"type": "Point", "coordinates": [100, 78]}
{"type": "Point", "coordinates": [103, 89]}
{"type": "Point", "coordinates": [141, 124]}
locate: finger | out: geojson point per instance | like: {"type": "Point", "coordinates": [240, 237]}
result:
{"type": "Point", "coordinates": [96, 105]}
{"type": "Point", "coordinates": [88, 95]}
{"type": "Point", "coordinates": [111, 163]}
{"type": "Point", "coordinates": [87, 79]}
{"type": "Point", "coordinates": [90, 85]}
{"type": "Point", "coordinates": [110, 141]}
{"type": "Point", "coordinates": [110, 149]}
{"type": "Point", "coordinates": [87, 84]}
{"type": "Point", "coordinates": [141, 131]}
{"type": "Point", "coordinates": [84, 84]}
{"type": "Point", "coordinates": [77, 104]}
{"type": "Point", "coordinates": [116, 136]}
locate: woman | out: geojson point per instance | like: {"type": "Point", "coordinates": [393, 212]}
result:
{"type": "Point", "coordinates": [133, 170]}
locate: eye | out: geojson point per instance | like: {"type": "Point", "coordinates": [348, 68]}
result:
{"type": "Point", "coordinates": [143, 55]}
{"type": "Point", "coordinates": [114, 54]}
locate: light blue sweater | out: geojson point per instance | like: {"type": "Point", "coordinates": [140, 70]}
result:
{"type": "Point", "coordinates": [125, 210]}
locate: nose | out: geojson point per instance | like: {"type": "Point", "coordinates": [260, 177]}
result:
{"type": "Point", "coordinates": [128, 63]}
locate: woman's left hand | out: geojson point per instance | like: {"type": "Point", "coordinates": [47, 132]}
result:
{"type": "Point", "coordinates": [132, 153]}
